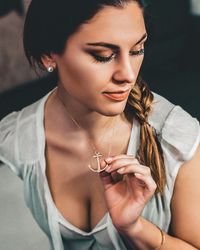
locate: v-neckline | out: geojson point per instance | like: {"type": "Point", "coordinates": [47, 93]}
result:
{"type": "Point", "coordinates": [98, 227]}
{"type": "Point", "coordinates": [131, 150]}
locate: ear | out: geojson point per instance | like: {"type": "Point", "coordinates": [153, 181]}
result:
{"type": "Point", "coordinates": [48, 61]}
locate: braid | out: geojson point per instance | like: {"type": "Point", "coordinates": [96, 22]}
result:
{"type": "Point", "coordinates": [150, 151]}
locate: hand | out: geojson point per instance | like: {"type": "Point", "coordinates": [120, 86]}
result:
{"type": "Point", "coordinates": [127, 196]}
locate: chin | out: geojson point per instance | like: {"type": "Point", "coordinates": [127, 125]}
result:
{"type": "Point", "coordinates": [114, 111]}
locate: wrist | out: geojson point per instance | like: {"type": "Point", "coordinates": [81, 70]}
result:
{"type": "Point", "coordinates": [133, 230]}
{"type": "Point", "coordinates": [139, 237]}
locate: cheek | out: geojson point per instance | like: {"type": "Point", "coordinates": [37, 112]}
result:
{"type": "Point", "coordinates": [139, 61]}
{"type": "Point", "coordinates": [136, 64]}
{"type": "Point", "coordinates": [82, 72]}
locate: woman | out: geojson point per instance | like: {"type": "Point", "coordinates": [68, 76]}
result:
{"type": "Point", "coordinates": [106, 163]}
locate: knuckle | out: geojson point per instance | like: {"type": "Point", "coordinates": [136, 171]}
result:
{"type": "Point", "coordinates": [147, 170]}
{"type": "Point", "coordinates": [154, 186]}
{"type": "Point", "coordinates": [131, 166]}
{"type": "Point", "coordinates": [136, 160]}
{"type": "Point", "coordinates": [114, 164]}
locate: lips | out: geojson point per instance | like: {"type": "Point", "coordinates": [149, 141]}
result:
{"type": "Point", "coordinates": [118, 96]}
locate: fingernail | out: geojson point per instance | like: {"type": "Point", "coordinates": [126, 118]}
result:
{"type": "Point", "coordinates": [137, 174]}
{"type": "Point", "coordinates": [109, 159]}
{"type": "Point", "coordinates": [108, 169]}
{"type": "Point", "coordinates": [120, 170]}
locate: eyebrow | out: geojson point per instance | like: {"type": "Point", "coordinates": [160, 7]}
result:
{"type": "Point", "coordinates": [114, 46]}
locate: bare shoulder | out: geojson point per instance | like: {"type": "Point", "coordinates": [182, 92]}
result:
{"type": "Point", "coordinates": [185, 204]}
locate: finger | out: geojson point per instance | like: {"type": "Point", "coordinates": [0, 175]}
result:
{"type": "Point", "coordinates": [135, 168]}
{"type": "Point", "coordinates": [143, 174]}
{"type": "Point", "coordinates": [148, 180]}
{"type": "Point", "coordinates": [119, 163]}
{"type": "Point", "coordinates": [106, 179]}
{"type": "Point", "coordinates": [117, 157]}
{"type": "Point", "coordinates": [129, 168]}
{"type": "Point", "coordinates": [140, 172]}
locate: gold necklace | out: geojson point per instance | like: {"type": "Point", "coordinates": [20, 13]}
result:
{"type": "Point", "coordinates": [97, 155]}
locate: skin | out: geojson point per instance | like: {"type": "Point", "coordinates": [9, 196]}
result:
{"type": "Point", "coordinates": [126, 186]}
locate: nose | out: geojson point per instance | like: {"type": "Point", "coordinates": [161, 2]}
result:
{"type": "Point", "coordinates": [124, 71]}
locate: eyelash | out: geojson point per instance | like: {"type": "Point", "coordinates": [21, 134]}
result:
{"type": "Point", "coordinates": [103, 59]}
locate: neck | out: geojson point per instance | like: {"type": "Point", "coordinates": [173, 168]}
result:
{"type": "Point", "coordinates": [93, 123]}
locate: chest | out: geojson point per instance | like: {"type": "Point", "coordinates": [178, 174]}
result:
{"type": "Point", "coordinates": [77, 192]}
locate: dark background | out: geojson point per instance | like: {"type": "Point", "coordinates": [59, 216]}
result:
{"type": "Point", "coordinates": [171, 65]}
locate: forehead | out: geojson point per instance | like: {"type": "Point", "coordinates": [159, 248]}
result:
{"type": "Point", "coordinates": [112, 24]}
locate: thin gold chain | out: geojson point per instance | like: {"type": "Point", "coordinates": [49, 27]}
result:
{"type": "Point", "coordinates": [97, 154]}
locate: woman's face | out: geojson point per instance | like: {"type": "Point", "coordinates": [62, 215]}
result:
{"type": "Point", "coordinates": [103, 57]}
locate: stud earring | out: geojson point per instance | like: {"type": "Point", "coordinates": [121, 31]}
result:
{"type": "Point", "coordinates": [50, 69]}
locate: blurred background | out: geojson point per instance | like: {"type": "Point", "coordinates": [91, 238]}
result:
{"type": "Point", "coordinates": [171, 68]}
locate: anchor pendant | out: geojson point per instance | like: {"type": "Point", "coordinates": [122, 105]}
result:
{"type": "Point", "coordinates": [97, 155]}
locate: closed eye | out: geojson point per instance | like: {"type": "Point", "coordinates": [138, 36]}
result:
{"type": "Point", "coordinates": [137, 52]}
{"type": "Point", "coordinates": [105, 59]}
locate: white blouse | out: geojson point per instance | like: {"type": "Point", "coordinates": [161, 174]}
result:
{"type": "Point", "coordinates": [22, 148]}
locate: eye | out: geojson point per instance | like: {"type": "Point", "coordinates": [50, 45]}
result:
{"type": "Point", "coordinates": [137, 52]}
{"type": "Point", "coordinates": [102, 59]}
{"type": "Point", "coordinates": [106, 59]}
